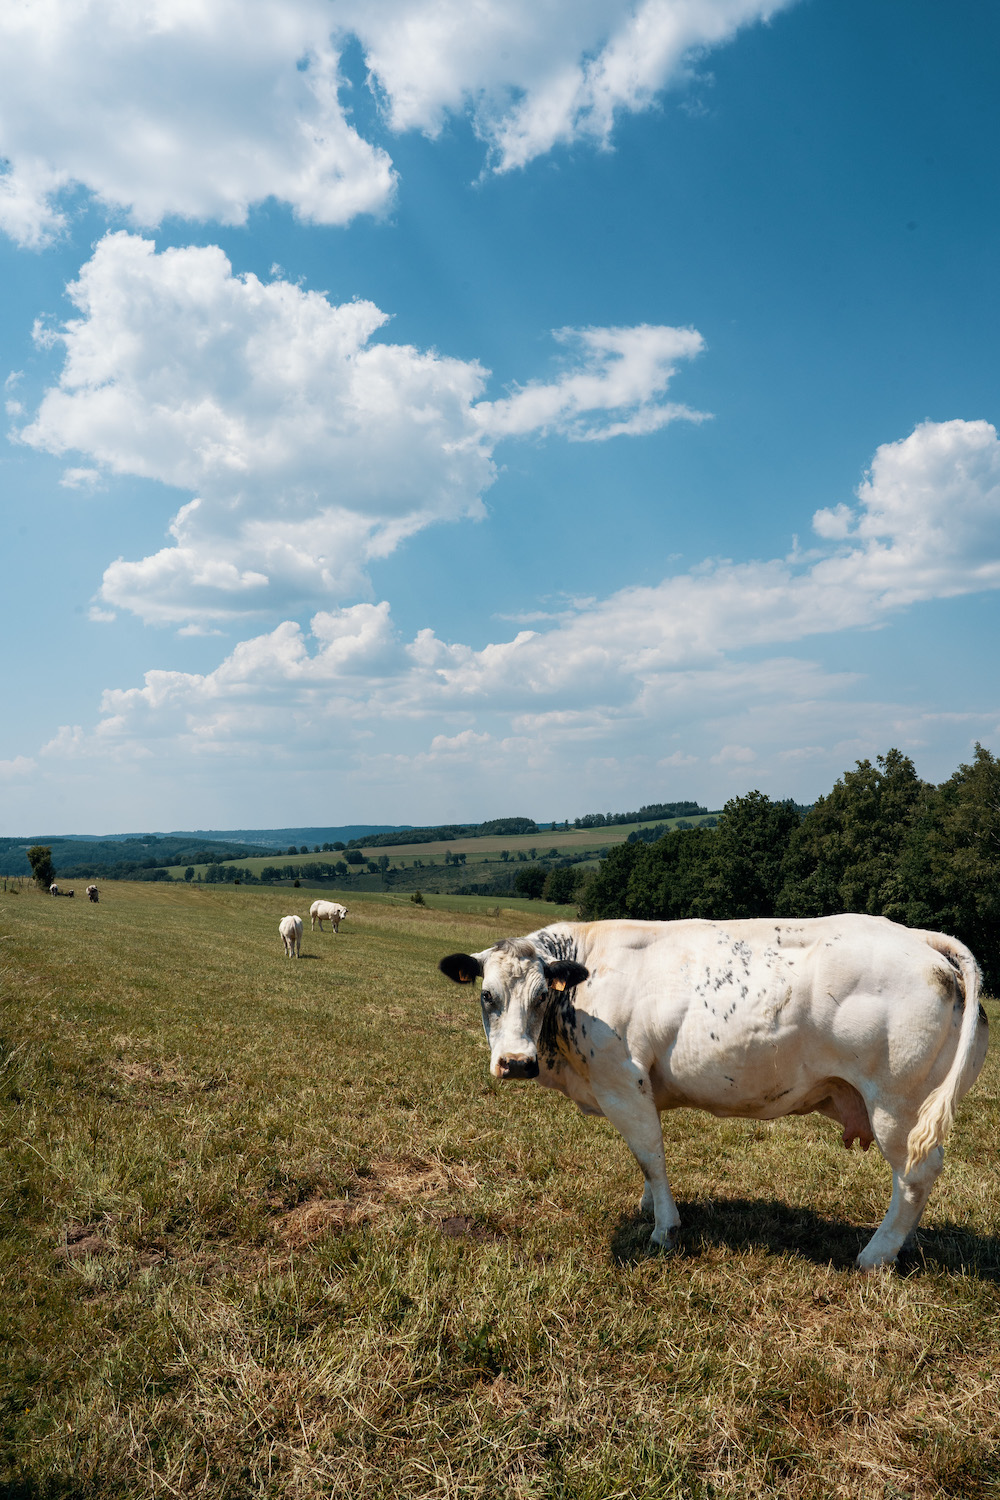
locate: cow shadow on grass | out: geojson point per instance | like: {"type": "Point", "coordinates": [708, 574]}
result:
{"type": "Point", "coordinates": [781, 1229]}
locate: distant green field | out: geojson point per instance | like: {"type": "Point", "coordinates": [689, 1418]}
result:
{"type": "Point", "coordinates": [268, 1228]}
{"type": "Point", "coordinates": [574, 840]}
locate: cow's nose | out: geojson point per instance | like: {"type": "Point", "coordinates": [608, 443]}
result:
{"type": "Point", "coordinates": [518, 1067]}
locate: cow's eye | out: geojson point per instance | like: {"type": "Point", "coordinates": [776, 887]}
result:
{"type": "Point", "coordinates": [489, 1001]}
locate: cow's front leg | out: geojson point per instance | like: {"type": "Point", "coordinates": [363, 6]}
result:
{"type": "Point", "coordinates": [635, 1116]}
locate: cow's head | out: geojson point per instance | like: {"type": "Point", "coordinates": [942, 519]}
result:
{"type": "Point", "coordinates": [517, 988]}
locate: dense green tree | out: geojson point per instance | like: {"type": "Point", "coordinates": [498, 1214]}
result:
{"type": "Point", "coordinates": [560, 884]}
{"type": "Point", "coordinates": [606, 892]}
{"type": "Point", "coordinates": [189, 873]}
{"type": "Point", "coordinates": [748, 852]}
{"type": "Point", "coordinates": [673, 878]}
{"type": "Point", "coordinates": [950, 864]}
{"type": "Point", "coordinates": [657, 882]}
{"type": "Point", "coordinates": [846, 855]}
{"type": "Point", "coordinates": [530, 882]}
{"type": "Point", "coordinates": [42, 869]}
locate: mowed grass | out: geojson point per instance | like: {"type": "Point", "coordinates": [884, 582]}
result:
{"type": "Point", "coordinates": [269, 1228]}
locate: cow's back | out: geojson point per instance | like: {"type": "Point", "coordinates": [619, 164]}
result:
{"type": "Point", "coordinates": [753, 1017]}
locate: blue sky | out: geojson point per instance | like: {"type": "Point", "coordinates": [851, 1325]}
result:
{"type": "Point", "coordinates": [422, 412]}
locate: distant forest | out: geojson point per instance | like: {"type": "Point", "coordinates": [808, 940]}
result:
{"type": "Point", "coordinates": [120, 859]}
{"type": "Point", "coordinates": [882, 841]}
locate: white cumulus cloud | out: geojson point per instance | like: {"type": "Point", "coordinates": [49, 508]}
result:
{"type": "Point", "coordinates": [310, 443]}
{"type": "Point", "coordinates": [537, 75]}
{"type": "Point", "coordinates": [164, 107]}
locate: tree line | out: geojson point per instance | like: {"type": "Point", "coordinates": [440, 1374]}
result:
{"type": "Point", "coordinates": [882, 841]}
{"type": "Point", "coordinates": [648, 814]}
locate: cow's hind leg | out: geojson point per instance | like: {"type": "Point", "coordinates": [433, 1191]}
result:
{"type": "Point", "coordinates": [637, 1119]}
{"type": "Point", "coordinates": [909, 1193]}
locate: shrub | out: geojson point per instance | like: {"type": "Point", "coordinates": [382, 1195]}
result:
{"type": "Point", "coordinates": [42, 868]}
{"type": "Point", "coordinates": [530, 882]}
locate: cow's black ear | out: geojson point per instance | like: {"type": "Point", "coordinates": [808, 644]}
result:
{"type": "Point", "coordinates": [565, 975]}
{"type": "Point", "coordinates": [461, 967]}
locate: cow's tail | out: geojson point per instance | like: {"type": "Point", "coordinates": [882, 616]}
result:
{"type": "Point", "coordinates": [937, 1113]}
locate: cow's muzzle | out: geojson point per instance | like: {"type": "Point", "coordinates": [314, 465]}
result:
{"type": "Point", "coordinates": [517, 1067]}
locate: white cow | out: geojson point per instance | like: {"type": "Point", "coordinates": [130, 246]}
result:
{"type": "Point", "coordinates": [875, 1025]}
{"type": "Point", "coordinates": [53, 889]}
{"type": "Point", "coordinates": [327, 911]}
{"type": "Point", "coordinates": [93, 893]}
{"type": "Point", "coordinates": [291, 934]}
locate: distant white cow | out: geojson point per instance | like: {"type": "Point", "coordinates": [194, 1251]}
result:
{"type": "Point", "coordinates": [877, 1026]}
{"type": "Point", "coordinates": [291, 934]}
{"type": "Point", "coordinates": [53, 889]}
{"type": "Point", "coordinates": [327, 911]}
{"type": "Point", "coordinates": [93, 892]}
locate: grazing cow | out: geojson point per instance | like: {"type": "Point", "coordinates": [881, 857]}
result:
{"type": "Point", "coordinates": [875, 1025]}
{"type": "Point", "coordinates": [327, 911]}
{"type": "Point", "coordinates": [53, 889]}
{"type": "Point", "coordinates": [291, 935]}
{"type": "Point", "coordinates": [93, 892]}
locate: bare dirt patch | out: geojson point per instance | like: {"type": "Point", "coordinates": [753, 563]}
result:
{"type": "Point", "coordinates": [82, 1240]}
{"type": "Point", "coordinates": [387, 1184]}
{"type": "Point", "coordinates": [461, 1227]}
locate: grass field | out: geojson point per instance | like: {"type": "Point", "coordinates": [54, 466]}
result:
{"type": "Point", "coordinates": [488, 847]}
{"type": "Point", "coordinates": [270, 1229]}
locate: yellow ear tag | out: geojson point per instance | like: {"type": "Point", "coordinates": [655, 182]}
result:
{"type": "Point", "coordinates": [558, 984]}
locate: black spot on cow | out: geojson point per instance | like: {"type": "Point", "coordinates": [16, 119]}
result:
{"type": "Point", "coordinates": [558, 1033]}
{"type": "Point", "coordinates": [555, 946]}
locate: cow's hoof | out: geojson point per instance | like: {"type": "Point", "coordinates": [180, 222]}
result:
{"type": "Point", "coordinates": [662, 1240]}
{"type": "Point", "coordinates": [869, 1267]}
